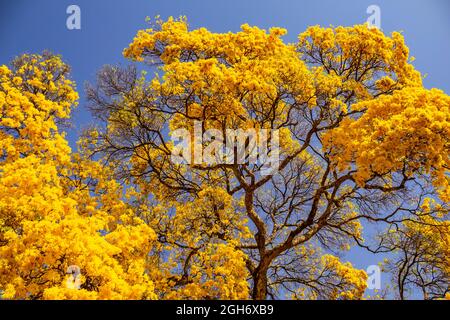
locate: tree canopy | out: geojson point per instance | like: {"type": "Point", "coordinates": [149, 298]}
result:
{"type": "Point", "coordinates": [361, 144]}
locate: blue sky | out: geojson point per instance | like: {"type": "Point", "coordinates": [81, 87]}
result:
{"type": "Point", "coordinates": [108, 26]}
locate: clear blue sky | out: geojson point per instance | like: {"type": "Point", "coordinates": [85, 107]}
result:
{"type": "Point", "coordinates": [107, 26]}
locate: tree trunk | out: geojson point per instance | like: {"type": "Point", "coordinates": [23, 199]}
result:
{"type": "Point", "coordinates": [260, 281]}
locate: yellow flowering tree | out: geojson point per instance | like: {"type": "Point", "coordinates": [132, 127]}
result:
{"type": "Point", "coordinates": [63, 225]}
{"type": "Point", "coordinates": [360, 140]}
{"type": "Point", "coordinates": [421, 262]}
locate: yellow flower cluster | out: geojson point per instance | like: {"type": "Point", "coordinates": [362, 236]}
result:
{"type": "Point", "coordinates": [59, 209]}
{"type": "Point", "coordinates": [408, 130]}
{"type": "Point", "coordinates": [234, 75]}
{"type": "Point", "coordinates": [353, 281]}
{"type": "Point", "coordinates": [338, 46]}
